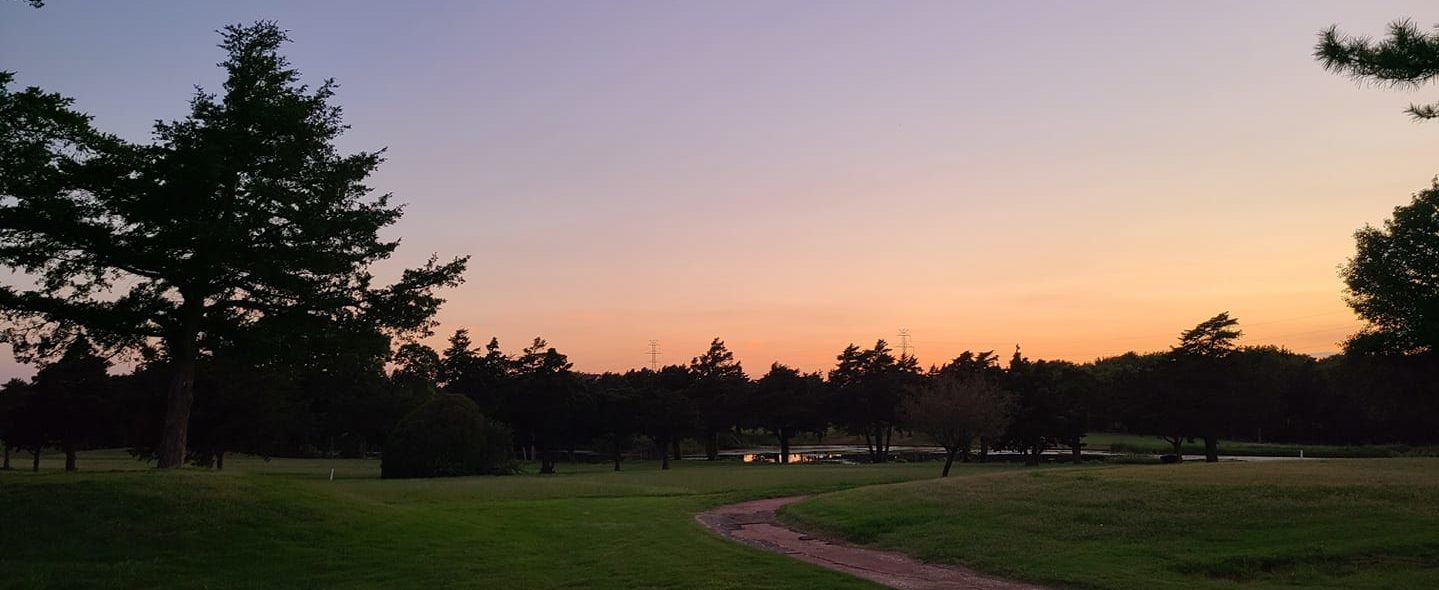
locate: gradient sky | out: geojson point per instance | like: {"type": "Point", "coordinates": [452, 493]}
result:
{"type": "Point", "coordinates": [1081, 178]}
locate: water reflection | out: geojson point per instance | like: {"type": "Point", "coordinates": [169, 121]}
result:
{"type": "Point", "coordinates": [793, 457]}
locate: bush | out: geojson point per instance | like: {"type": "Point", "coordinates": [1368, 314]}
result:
{"type": "Point", "coordinates": [445, 437]}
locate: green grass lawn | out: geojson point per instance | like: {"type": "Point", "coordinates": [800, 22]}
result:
{"type": "Point", "coordinates": [1136, 443]}
{"type": "Point", "coordinates": [1312, 524]}
{"type": "Point", "coordinates": [283, 524]}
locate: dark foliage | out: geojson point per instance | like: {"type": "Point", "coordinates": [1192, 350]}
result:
{"type": "Point", "coordinates": [447, 436]}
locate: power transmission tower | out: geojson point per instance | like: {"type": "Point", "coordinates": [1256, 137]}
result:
{"type": "Point", "coordinates": [904, 342]}
{"type": "Point", "coordinates": [655, 355]}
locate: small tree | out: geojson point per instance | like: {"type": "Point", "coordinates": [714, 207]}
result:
{"type": "Point", "coordinates": [956, 410]}
{"type": "Point", "coordinates": [447, 436]}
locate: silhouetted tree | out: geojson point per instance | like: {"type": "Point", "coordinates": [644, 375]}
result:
{"type": "Point", "coordinates": [1048, 406]}
{"type": "Point", "coordinates": [545, 403]}
{"type": "Point", "coordinates": [957, 409]}
{"type": "Point", "coordinates": [868, 387]}
{"type": "Point", "coordinates": [1205, 379]}
{"type": "Point", "coordinates": [17, 426]}
{"type": "Point", "coordinates": [1391, 280]}
{"type": "Point", "coordinates": [239, 407]}
{"type": "Point", "coordinates": [715, 393]}
{"type": "Point", "coordinates": [787, 402]}
{"type": "Point", "coordinates": [617, 400]}
{"type": "Point", "coordinates": [72, 398]}
{"type": "Point", "coordinates": [23, 420]}
{"type": "Point", "coordinates": [665, 413]}
{"type": "Point", "coordinates": [243, 209]}
{"type": "Point", "coordinates": [982, 365]}
{"type": "Point", "coordinates": [1407, 58]}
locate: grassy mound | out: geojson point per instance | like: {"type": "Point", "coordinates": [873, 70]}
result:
{"type": "Point", "coordinates": [1327, 524]}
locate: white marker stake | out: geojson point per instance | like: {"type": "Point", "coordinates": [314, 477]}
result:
{"type": "Point", "coordinates": [332, 472]}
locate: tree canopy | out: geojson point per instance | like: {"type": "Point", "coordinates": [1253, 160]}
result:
{"type": "Point", "coordinates": [242, 210]}
{"type": "Point", "coordinates": [1392, 281]}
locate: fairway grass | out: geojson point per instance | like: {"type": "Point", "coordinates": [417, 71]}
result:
{"type": "Point", "coordinates": [1136, 443]}
{"type": "Point", "coordinates": [1311, 524]}
{"type": "Point", "coordinates": [284, 524]}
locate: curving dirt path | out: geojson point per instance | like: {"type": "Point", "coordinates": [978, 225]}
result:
{"type": "Point", "coordinates": [754, 523]}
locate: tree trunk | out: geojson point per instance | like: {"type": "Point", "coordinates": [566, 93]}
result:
{"type": "Point", "coordinates": [6, 465]}
{"type": "Point", "coordinates": [35, 460]}
{"type": "Point", "coordinates": [783, 446]}
{"type": "Point", "coordinates": [869, 446]}
{"type": "Point", "coordinates": [220, 461]}
{"type": "Point", "coordinates": [1176, 444]}
{"type": "Point", "coordinates": [183, 350]}
{"type": "Point", "coordinates": [964, 456]}
{"type": "Point", "coordinates": [1031, 456]}
{"type": "Point", "coordinates": [674, 449]}
{"type": "Point", "coordinates": [547, 462]}
{"type": "Point", "coordinates": [665, 454]}
{"type": "Point", "coordinates": [617, 455]}
{"type": "Point", "coordinates": [1211, 449]}
{"type": "Point", "coordinates": [983, 449]}
{"type": "Point", "coordinates": [711, 445]}
{"type": "Point", "coordinates": [890, 432]}
{"type": "Point", "coordinates": [69, 457]}
{"type": "Point", "coordinates": [948, 461]}
{"type": "Point", "coordinates": [1075, 453]}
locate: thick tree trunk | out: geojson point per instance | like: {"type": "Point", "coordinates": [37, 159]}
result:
{"type": "Point", "coordinates": [711, 445]}
{"type": "Point", "coordinates": [1031, 456]}
{"type": "Point", "coordinates": [220, 461]}
{"type": "Point", "coordinates": [6, 465]}
{"type": "Point", "coordinates": [665, 454]}
{"type": "Point", "coordinates": [1075, 454]}
{"type": "Point", "coordinates": [35, 460]}
{"type": "Point", "coordinates": [869, 446]}
{"type": "Point", "coordinates": [547, 462]}
{"type": "Point", "coordinates": [69, 457]}
{"type": "Point", "coordinates": [674, 449]}
{"type": "Point", "coordinates": [983, 449]}
{"type": "Point", "coordinates": [1211, 449]}
{"type": "Point", "coordinates": [964, 456]}
{"type": "Point", "coordinates": [183, 351]}
{"type": "Point", "coordinates": [948, 461]}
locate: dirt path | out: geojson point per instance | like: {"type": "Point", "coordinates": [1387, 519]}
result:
{"type": "Point", "coordinates": [754, 523]}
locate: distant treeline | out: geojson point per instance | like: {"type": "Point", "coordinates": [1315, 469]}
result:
{"type": "Point", "coordinates": [1204, 389]}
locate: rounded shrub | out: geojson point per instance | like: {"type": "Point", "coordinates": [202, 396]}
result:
{"type": "Point", "coordinates": [445, 437]}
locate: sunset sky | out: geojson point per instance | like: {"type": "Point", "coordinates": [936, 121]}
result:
{"type": "Point", "coordinates": [1080, 178]}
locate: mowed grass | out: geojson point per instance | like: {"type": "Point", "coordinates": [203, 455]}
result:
{"type": "Point", "coordinates": [1370, 523]}
{"type": "Point", "coordinates": [284, 524]}
{"type": "Point", "coordinates": [1137, 443]}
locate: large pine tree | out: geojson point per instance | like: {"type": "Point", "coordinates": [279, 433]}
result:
{"type": "Point", "coordinates": [243, 209]}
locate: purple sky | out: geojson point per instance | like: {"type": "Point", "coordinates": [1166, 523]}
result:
{"type": "Point", "coordinates": [1082, 178]}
